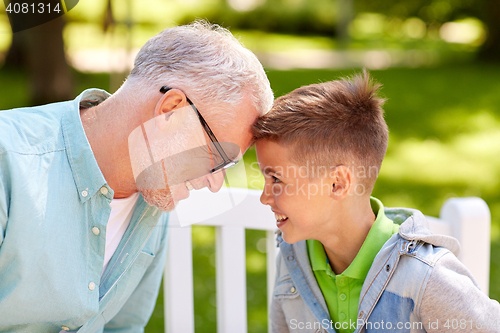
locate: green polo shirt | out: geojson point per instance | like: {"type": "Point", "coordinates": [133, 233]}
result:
{"type": "Point", "coordinates": [341, 292]}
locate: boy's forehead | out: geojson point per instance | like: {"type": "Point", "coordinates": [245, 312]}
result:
{"type": "Point", "coordinates": [271, 150]}
{"type": "Point", "coordinates": [272, 156]}
{"type": "Point", "coordinates": [274, 159]}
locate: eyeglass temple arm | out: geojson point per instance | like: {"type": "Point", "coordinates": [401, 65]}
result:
{"type": "Point", "coordinates": [211, 135]}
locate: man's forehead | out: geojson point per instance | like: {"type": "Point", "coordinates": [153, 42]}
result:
{"type": "Point", "coordinates": [239, 128]}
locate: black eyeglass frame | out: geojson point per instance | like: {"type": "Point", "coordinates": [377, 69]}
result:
{"type": "Point", "coordinates": [227, 162]}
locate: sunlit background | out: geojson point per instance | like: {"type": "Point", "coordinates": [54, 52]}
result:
{"type": "Point", "coordinates": [437, 59]}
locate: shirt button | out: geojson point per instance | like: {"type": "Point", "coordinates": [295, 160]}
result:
{"type": "Point", "coordinates": [85, 193]}
{"type": "Point", "coordinates": [342, 316]}
{"type": "Point", "coordinates": [91, 285]}
{"type": "Point", "coordinates": [341, 282]}
{"type": "Point", "coordinates": [104, 190]}
{"type": "Point", "coordinates": [292, 289]}
{"type": "Point", "coordinates": [342, 297]}
{"type": "Point", "coordinates": [290, 258]}
{"type": "Point", "coordinates": [66, 328]}
{"type": "Point", "coordinates": [96, 231]}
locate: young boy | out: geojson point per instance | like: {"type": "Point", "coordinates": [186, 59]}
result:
{"type": "Point", "coordinates": [346, 263]}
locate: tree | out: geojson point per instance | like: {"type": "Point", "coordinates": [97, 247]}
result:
{"type": "Point", "coordinates": [490, 15]}
{"type": "Point", "coordinates": [41, 51]}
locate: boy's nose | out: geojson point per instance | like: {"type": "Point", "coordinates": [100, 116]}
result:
{"type": "Point", "coordinates": [265, 197]}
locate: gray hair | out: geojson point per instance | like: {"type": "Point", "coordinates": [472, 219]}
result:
{"type": "Point", "coordinates": [205, 61]}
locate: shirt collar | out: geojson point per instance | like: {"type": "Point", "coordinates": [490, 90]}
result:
{"type": "Point", "coordinates": [317, 255]}
{"type": "Point", "coordinates": [86, 172]}
{"type": "Point", "coordinates": [382, 229]}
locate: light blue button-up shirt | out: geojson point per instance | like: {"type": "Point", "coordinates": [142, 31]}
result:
{"type": "Point", "coordinates": [51, 256]}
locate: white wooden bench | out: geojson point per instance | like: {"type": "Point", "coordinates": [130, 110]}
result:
{"type": "Point", "coordinates": [467, 219]}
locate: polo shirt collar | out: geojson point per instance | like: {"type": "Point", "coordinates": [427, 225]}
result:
{"type": "Point", "coordinates": [86, 172]}
{"type": "Point", "coordinates": [317, 255]}
{"type": "Point", "coordinates": [381, 230]}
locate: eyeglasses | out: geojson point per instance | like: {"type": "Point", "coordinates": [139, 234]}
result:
{"type": "Point", "coordinates": [226, 161]}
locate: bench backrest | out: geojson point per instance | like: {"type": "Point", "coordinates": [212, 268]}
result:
{"type": "Point", "coordinates": [467, 219]}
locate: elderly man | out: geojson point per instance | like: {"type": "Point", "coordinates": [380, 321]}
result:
{"type": "Point", "coordinates": [82, 240]}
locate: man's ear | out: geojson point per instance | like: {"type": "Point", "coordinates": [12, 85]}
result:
{"type": "Point", "coordinates": [171, 100]}
{"type": "Point", "coordinates": [342, 179]}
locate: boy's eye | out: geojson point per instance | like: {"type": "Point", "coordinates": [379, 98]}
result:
{"type": "Point", "coordinates": [275, 180]}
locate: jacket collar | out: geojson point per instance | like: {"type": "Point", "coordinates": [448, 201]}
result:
{"type": "Point", "coordinates": [299, 268]}
{"type": "Point", "coordinates": [414, 227]}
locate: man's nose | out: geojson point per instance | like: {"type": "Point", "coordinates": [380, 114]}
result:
{"type": "Point", "coordinates": [215, 181]}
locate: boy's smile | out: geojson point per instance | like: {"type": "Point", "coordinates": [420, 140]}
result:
{"type": "Point", "coordinates": [280, 219]}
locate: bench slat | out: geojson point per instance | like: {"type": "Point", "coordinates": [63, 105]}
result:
{"type": "Point", "coordinates": [179, 307]}
{"type": "Point", "coordinates": [231, 280]}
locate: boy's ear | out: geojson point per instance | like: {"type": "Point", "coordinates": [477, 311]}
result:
{"type": "Point", "coordinates": [342, 178]}
{"type": "Point", "coordinates": [171, 100]}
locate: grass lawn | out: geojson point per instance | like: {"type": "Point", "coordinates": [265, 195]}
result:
{"type": "Point", "coordinates": [444, 141]}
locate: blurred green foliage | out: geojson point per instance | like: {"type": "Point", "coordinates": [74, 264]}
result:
{"type": "Point", "coordinates": [299, 17]}
{"type": "Point", "coordinates": [473, 22]}
{"type": "Point", "coordinates": [402, 21]}
{"type": "Point", "coordinates": [428, 10]}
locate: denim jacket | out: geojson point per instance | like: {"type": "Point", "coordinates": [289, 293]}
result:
{"type": "Point", "coordinates": [415, 284]}
{"type": "Point", "coordinates": [54, 208]}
